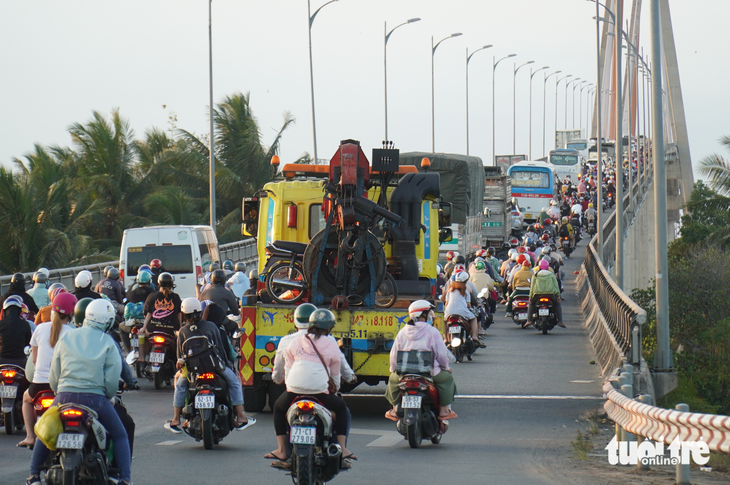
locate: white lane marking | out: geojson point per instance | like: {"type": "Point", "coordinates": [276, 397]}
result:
{"type": "Point", "coordinates": [386, 438]}
{"type": "Point", "coordinates": [500, 396]}
{"type": "Point", "coordinates": [582, 382]}
{"type": "Point", "coordinates": [168, 443]}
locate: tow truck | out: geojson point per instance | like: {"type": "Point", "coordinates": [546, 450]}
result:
{"type": "Point", "coordinates": [360, 239]}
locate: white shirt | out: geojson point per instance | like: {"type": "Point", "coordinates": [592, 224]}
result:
{"type": "Point", "coordinates": [42, 339]}
{"type": "Point", "coordinates": [239, 284]}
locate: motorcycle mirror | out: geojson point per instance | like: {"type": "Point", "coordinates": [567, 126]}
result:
{"type": "Point", "coordinates": [239, 333]}
{"type": "Point", "coordinates": [132, 357]}
{"type": "Point", "coordinates": [26, 350]}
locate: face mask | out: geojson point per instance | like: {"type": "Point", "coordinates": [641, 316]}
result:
{"type": "Point", "coordinates": [430, 320]}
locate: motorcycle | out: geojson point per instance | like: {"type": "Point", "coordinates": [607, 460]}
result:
{"type": "Point", "coordinates": [461, 343]}
{"type": "Point", "coordinates": [316, 457]}
{"type": "Point", "coordinates": [134, 336]}
{"type": "Point", "coordinates": [565, 245]}
{"type": "Point", "coordinates": [162, 358]}
{"type": "Point", "coordinates": [545, 319]}
{"type": "Point", "coordinates": [418, 409]}
{"type": "Point", "coordinates": [209, 412]}
{"type": "Point", "coordinates": [485, 313]}
{"type": "Point", "coordinates": [11, 396]}
{"type": "Point", "coordinates": [591, 227]}
{"type": "Point", "coordinates": [520, 303]}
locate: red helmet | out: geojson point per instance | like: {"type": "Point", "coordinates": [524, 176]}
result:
{"type": "Point", "coordinates": [155, 264]}
{"type": "Point", "coordinates": [521, 259]}
{"type": "Point", "coordinates": [548, 221]}
{"type": "Point", "coordinates": [482, 253]}
{"type": "Point", "coordinates": [64, 303]}
{"type": "Point", "coordinates": [522, 249]}
{"type": "Point", "coordinates": [545, 237]}
{"type": "Point", "coordinates": [450, 255]}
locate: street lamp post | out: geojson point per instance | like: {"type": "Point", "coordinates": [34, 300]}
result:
{"type": "Point", "coordinates": [556, 106]}
{"type": "Point", "coordinates": [385, 65]}
{"type": "Point", "coordinates": [567, 85]}
{"type": "Point", "coordinates": [580, 107]}
{"type": "Point", "coordinates": [544, 97]}
{"type": "Point", "coordinates": [211, 161]}
{"type": "Point", "coordinates": [433, 109]}
{"type": "Point", "coordinates": [468, 58]}
{"type": "Point", "coordinates": [619, 270]}
{"type": "Point", "coordinates": [572, 115]}
{"type": "Point", "coordinates": [311, 72]}
{"type": "Point", "coordinates": [514, 103]}
{"type": "Point", "coordinates": [494, 68]}
{"type": "Point", "coordinates": [529, 143]}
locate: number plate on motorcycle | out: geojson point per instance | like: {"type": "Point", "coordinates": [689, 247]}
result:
{"type": "Point", "coordinates": [204, 401]}
{"type": "Point", "coordinates": [411, 402]}
{"type": "Point", "coordinates": [455, 329]}
{"type": "Point", "coordinates": [543, 312]}
{"type": "Point", "coordinates": [70, 441]}
{"type": "Point", "coordinates": [134, 342]}
{"type": "Point", "coordinates": [301, 435]}
{"type": "Point", "coordinates": [8, 392]}
{"type": "Point", "coordinates": [157, 357]}
{"type": "Point", "coordinates": [522, 316]}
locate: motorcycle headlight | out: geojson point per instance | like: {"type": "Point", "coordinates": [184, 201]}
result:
{"type": "Point", "coordinates": [455, 342]}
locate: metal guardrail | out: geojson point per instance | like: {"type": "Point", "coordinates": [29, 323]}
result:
{"type": "Point", "coordinates": [243, 251]}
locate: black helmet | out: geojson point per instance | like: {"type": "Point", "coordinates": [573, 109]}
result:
{"type": "Point", "coordinates": [228, 265]}
{"type": "Point", "coordinates": [491, 251]}
{"type": "Point", "coordinates": [253, 274]}
{"type": "Point", "coordinates": [218, 277]}
{"type": "Point", "coordinates": [112, 273]}
{"type": "Point", "coordinates": [80, 310]}
{"type": "Point", "coordinates": [216, 265]}
{"type": "Point", "coordinates": [40, 278]}
{"type": "Point", "coordinates": [165, 280]}
{"type": "Point", "coordinates": [460, 259]}
{"type": "Point", "coordinates": [322, 318]}
{"type": "Point", "coordinates": [506, 245]}
{"type": "Point", "coordinates": [106, 270]}
{"type": "Point", "coordinates": [302, 314]}
{"type": "Point", "coordinates": [18, 280]}
{"type": "Point", "coordinates": [240, 267]}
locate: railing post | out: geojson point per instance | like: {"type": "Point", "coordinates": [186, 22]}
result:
{"type": "Point", "coordinates": [644, 399]}
{"type": "Point", "coordinates": [682, 470]}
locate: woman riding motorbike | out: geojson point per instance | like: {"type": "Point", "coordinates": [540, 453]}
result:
{"type": "Point", "coordinates": [458, 301]}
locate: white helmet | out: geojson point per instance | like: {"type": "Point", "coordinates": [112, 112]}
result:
{"type": "Point", "coordinates": [417, 308]}
{"type": "Point", "coordinates": [83, 279]}
{"type": "Point", "coordinates": [102, 312]}
{"type": "Point", "coordinates": [45, 272]}
{"type": "Point", "coordinates": [190, 305]}
{"type": "Point", "coordinates": [511, 252]}
{"type": "Point", "coordinates": [461, 277]}
{"type": "Point", "coordinates": [546, 250]}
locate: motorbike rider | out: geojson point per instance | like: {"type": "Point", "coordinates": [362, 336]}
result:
{"type": "Point", "coordinates": [420, 335]}
{"type": "Point", "coordinates": [17, 287]}
{"type": "Point", "coordinates": [591, 214]}
{"type": "Point", "coordinates": [111, 287]}
{"type": "Point", "coordinates": [521, 277]}
{"type": "Point", "coordinates": [481, 279]}
{"type": "Point", "coordinates": [42, 342]}
{"type": "Point", "coordinates": [39, 292]}
{"type": "Point", "coordinates": [239, 283]}
{"type": "Point", "coordinates": [15, 332]}
{"type": "Point", "coordinates": [156, 269]}
{"type": "Point", "coordinates": [228, 267]}
{"type": "Point", "coordinates": [221, 295]}
{"type": "Point", "coordinates": [458, 302]}
{"type": "Point", "coordinates": [530, 235]}
{"type": "Point", "coordinates": [566, 230]}
{"type": "Point", "coordinates": [83, 286]}
{"type": "Point", "coordinates": [190, 310]}
{"type": "Point", "coordinates": [544, 283]}
{"type": "Point", "coordinates": [162, 312]}
{"type": "Point", "coordinates": [450, 263]}
{"type": "Point", "coordinates": [310, 361]}
{"type": "Point", "coordinates": [553, 210]}
{"type": "Point", "coordinates": [494, 263]}
{"type": "Point", "coordinates": [44, 314]}
{"type": "Point", "coordinates": [85, 369]}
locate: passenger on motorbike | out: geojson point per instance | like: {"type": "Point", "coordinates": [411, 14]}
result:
{"type": "Point", "coordinates": [156, 269]}
{"type": "Point", "coordinates": [83, 286]}
{"type": "Point", "coordinates": [566, 230]}
{"type": "Point", "coordinates": [39, 292]}
{"type": "Point", "coordinates": [85, 370]}
{"type": "Point", "coordinates": [111, 287]}
{"type": "Point", "coordinates": [239, 283]}
{"type": "Point", "coordinates": [142, 290]}
{"type": "Point", "coordinates": [520, 281]}
{"type": "Point", "coordinates": [44, 314]}
{"type": "Point", "coordinates": [162, 312]}
{"type": "Point", "coordinates": [221, 295]}
{"type": "Point", "coordinates": [419, 334]}
{"type": "Point", "coordinates": [17, 287]}
{"type": "Point", "coordinates": [310, 361]}
{"type": "Point", "coordinates": [544, 283]}
{"type": "Point", "coordinates": [591, 213]}
{"type": "Point", "coordinates": [494, 263]}
{"type": "Point", "coordinates": [15, 333]}
{"type": "Point", "coordinates": [458, 302]}
{"type": "Point", "coordinates": [190, 310]}
{"type": "Point", "coordinates": [42, 342]}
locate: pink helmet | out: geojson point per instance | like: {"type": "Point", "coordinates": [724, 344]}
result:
{"type": "Point", "coordinates": [544, 264]}
{"type": "Point", "coordinates": [64, 303]}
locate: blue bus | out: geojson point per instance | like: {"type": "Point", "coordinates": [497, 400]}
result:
{"type": "Point", "coordinates": [533, 185]}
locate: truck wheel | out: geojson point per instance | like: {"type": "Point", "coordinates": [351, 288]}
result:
{"type": "Point", "coordinates": [254, 399]}
{"type": "Point", "coordinates": [275, 391]}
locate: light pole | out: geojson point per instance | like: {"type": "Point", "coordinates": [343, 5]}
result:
{"type": "Point", "coordinates": [544, 97]}
{"type": "Point", "coordinates": [385, 65]}
{"type": "Point", "coordinates": [514, 103]}
{"type": "Point", "coordinates": [494, 68]}
{"type": "Point", "coordinates": [572, 115]}
{"type": "Point", "coordinates": [567, 84]}
{"type": "Point", "coordinates": [311, 17]}
{"type": "Point", "coordinates": [529, 143]}
{"type": "Point", "coordinates": [468, 58]}
{"type": "Point", "coordinates": [556, 106]}
{"type": "Point", "coordinates": [211, 161]}
{"type": "Point", "coordinates": [433, 110]}
{"type": "Point", "coordinates": [591, 89]}
{"type": "Point", "coordinates": [580, 107]}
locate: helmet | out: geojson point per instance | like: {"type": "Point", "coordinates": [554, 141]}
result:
{"type": "Point", "coordinates": [478, 259]}
{"type": "Point", "coordinates": [459, 259]}
{"type": "Point", "coordinates": [240, 267]}
{"type": "Point", "coordinates": [64, 304]}
{"type": "Point", "coordinates": [480, 265]}
{"type": "Point", "coordinates": [17, 280]}
{"type": "Point", "coordinates": [481, 253]}
{"type": "Point", "coordinates": [144, 278]}
{"type": "Point", "coordinates": [83, 279]}
{"type": "Point", "coordinates": [322, 318]}
{"type": "Point", "coordinates": [546, 250]}
{"type": "Point", "coordinates": [544, 264]}
{"type": "Point", "coordinates": [590, 204]}
{"type": "Point", "coordinates": [544, 209]}
{"type": "Point", "coordinates": [102, 312]}
{"type": "Point", "coordinates": [521, 259]}
{"type": "Point", "coordinates": [548, 222]}
{"type": "Point", "coordinates": [529, 241]}
{"type": "Point", "coordinates": [565, 220]}
{"type": "Point", "coordinates": [40, 278]}
{"type": "Point", "coordinates": [13, 300]}
{"type": "Point", "coordinates": [553, 247]}
{"type": "Point", "coordinates": [522, 250]}
{"type": "Point", "coordinates": [190, 305]}
{"type": "Point", "coordinates": [166, 280]}
{"type": "Point", "coordinates": [145, 267]}
{"type": "Point", "coordinates": [228, 265]}
{"type": "Point", "coordinates": [155, 264]}
{"type": "Point", "coordinates": [450, 255]}
{"type": "Point", "coordinates": [45, 272]}
{"type": "Point", "coordinates": [531, 228]}
{"type": "Point", "coordinates": [55, 286]}
{"type": "Point", "coordinates": [526, 263]}
{"type": "Point", "coordinates": [302, 314]}
{"type": "Point", "coordinates": [490, 251]}
{"type": "Point", "coordinates": [113, 274]}
{"type": "Point", "coordinates": [253, 274]}
{"type": "Point", "coordinates": [545, 237]}
{"type": "Point", "coordinates": [505, 245]}
{"type": "Point", "coordinates": [513, 256]}
{"type": "Point", "coordinates": [418, 308]}
{"type": "Point", "coordinates": [552, 202]}
{"type": "Point", "coordinates": [461, 277]}
{"type": "Point", "coordinates": [458, 268]}
{"type": "Point", "coordinates": [106, 270]}
{"type": "Point", "coordinates": [216, 265]}
{"type": "Point", "coordinates": [439, 268]}
{"type": "Point", "coordinates": [514, 242]}
{"type": "Point", "coordinates": [547, 258]}
{"type": "Point", "coordinates": [218, 277]}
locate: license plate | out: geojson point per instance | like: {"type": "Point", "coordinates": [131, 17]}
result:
{"type": "Point", "coordinates": [8, 392]}
{"type": "Point", "coordinates": [528, 216]}
{"type": "Point", "coordinates": [70, 441]}
{"type": "Point", "coordinates": [543, 312]}
{"type": "Point", "coordinates": [204, 401]}
{"type": "Point", "coordinates": [301, 435]}
{"type": "Point", "coordinates": [157, 357]}
{"type": "Point", "coordinates": [134, 342]}
{"type": "Point", "coordinates": [522, 316]}
{"type": "Point", "coordinates": [454, 329]}
{"type": "Point", "coordinates": [411, 402]}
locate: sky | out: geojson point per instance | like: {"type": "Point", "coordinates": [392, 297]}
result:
{"type": "Point", "coordinates": [60, 61]}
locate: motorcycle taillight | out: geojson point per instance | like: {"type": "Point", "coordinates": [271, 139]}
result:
{"type": "Point", "coordinates": [72, 415]}
{"type": "Point", "coordinates": [158, 340]}
{"type": "Point", "coordinates": [544, 300]}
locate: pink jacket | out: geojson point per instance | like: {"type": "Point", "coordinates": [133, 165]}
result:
{"type": "Point", "coordinates": [305, 373]}
{"type": "Point", "coordinates": [421, 336]}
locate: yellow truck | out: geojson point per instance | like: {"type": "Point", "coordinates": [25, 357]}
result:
{"type": "Point", "coordinates": [293, 211]}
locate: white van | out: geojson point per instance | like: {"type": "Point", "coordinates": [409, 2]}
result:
{"type": "Point", "coordinates": [185, 252]}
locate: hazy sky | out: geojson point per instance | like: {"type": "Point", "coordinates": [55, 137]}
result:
{"type": "Point", "coordinates": [60, 61]}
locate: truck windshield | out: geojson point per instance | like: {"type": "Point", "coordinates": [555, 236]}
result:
{"type": "Point", "coordinates": [530, 178]}
{"type": "Point", "coordinates": [175, 259]}
{"type": "Point", "coordinates": [577, 146]}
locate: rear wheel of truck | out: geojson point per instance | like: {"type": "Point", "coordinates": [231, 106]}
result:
{"type": "Point", "coordinates": [254, 399]}
{"type": "Point", "coordinates": [275, 391]}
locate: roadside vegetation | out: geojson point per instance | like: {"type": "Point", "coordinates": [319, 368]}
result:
{"type": "Point", "coordinates": [65, 206]}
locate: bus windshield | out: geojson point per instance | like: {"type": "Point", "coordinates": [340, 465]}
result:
{"type": "Point", "coordinates": [530, 178]}
{"type": "Point", "coordinates": [560, 159]}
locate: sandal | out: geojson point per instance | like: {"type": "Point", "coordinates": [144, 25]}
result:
{"type": "Point", "coordinates": [391, 415]}
{"type": "Point", "coordinates": [174, 428]}
{"type": "Point", "coordinates": [23, 444]}
{"type": "Point", "coordinates": [281, 465]}
{"type": "Point", "coordinates": [249, 422]}
{"type": "Point", "coordinates": [351, 456]}
{"type": "Point", "coordinates": [272, 456]}
{"type": "Point", "coordinates": [451, 415]}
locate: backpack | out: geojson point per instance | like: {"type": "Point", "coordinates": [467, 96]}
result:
{"type": "Point", "coordinates": [564, 231]}
{"type": "Point", "coordinates": [200, 354]}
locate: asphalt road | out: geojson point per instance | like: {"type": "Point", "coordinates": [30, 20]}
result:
{"type": "Point", "coordinates": [518, 402]}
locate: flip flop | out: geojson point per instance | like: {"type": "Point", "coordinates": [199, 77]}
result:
{"type": "Point", "coordinates": [174, 428]}
{"type": "Point", "coordinates": [351, 456]}
{"type": "Point", "coordinates": [247, 424]}
{"type": "Point", "coordinates": [391, 415]}
{"type": "Point", "coordinates": [25, 445]}
{"type": "Point", "coordinates": [272, 456]}
{"type": "Point", "coordinates": [281, 465]}
{"type": "Point", "coordinates": [451, 415]}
